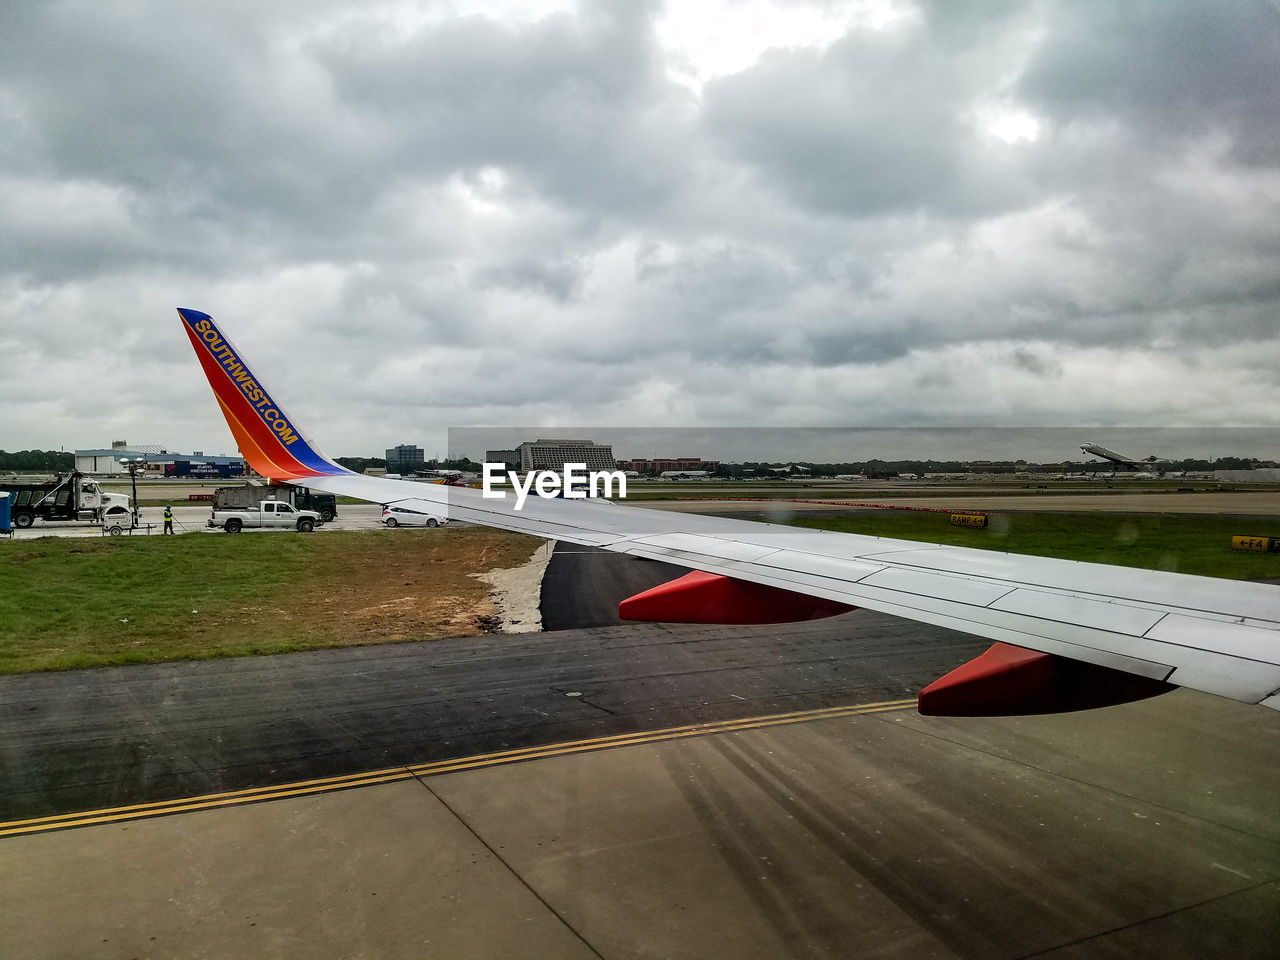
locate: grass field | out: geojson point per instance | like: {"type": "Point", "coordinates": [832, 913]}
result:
{"type": "Point", "coordinates": [87, 602]}
{"type": "Point", "coordinates": [77, 602]}
{"type": "Point", "coordinates": [1185, 544]}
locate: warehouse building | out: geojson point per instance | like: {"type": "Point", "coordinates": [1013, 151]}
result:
{"type": "Point", "coordinates": [159, 461]}
{"type": "Point", "coordinates": [670, 465]}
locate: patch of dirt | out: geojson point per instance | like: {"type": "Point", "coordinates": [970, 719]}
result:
{"type": "Point", "coordinates": [395, 585]}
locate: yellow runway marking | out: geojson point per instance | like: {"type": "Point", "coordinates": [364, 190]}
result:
{"type": "Point", "coordinates": [302, 788]}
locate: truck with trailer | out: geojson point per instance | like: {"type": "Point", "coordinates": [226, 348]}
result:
{"type": "Point", "coordinates": [301, 498]}
{"type": "Point", "coordinates": [269, 515]}
{"type": "Point", "coordinates": [69, 497]}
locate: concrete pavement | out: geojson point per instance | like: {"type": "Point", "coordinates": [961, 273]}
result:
{"type": "Point", "coordinates": [885, 835]}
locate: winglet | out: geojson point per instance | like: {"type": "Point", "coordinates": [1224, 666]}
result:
{"type": "Point", "coordinates": [270, 440]}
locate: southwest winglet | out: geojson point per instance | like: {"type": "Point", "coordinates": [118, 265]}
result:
{"type": "Point", "coordinates": [270, 440]}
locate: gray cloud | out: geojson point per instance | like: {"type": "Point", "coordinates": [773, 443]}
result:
{"type": "Point", "coordinates": [412, 219]}
{"type": "Point", "coordinates": [1178, 71]}
{"type": "Point", "coordinates": [875, 124]}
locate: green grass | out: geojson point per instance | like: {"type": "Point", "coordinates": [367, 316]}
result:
{"type": "Point", "coordinates": [1185, 544]}
{"type": "Point", "coordinates": [68, 603]}
{"type": "Point", "coordinates": [72, 602]}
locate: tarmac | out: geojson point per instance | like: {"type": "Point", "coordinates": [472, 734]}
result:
{"type": "Point", "coordinates": [1242, 503]}
{"type": "Point", "coordinates": [1148, 830]}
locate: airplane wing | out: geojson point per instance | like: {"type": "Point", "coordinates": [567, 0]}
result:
{"type": "Point", "coordinates": [1068, 635]}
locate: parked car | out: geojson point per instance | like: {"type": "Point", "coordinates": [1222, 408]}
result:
{"type": "Point", "coordinates": [404, 517]}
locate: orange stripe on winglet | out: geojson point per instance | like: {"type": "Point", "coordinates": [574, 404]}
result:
{"type": "Point", "coordinates": [250, 432]}
{"type": "Point", "coordinates": [253, 454]}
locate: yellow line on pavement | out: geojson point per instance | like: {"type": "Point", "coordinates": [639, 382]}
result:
{"type": "Point", "coordinates": [301, 788]}
{"type": "Point", "coordinates": [250, 793]}
{"type": "Point", "coordinates": [196, 803]}
{"type": "Point", "coordinates": [653, 736]}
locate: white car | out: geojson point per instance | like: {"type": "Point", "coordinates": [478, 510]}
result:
{"type": "Point", "coordinates": [404, 517]}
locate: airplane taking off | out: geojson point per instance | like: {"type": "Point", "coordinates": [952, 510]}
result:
{"type": "Point", "coordinates": [1069, 635]}
{"type": "Point", "coordinates": [1118, 459]}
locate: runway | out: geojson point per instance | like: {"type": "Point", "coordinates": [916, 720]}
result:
{"type": "Point", "coordinates": [507, 796]}
{"type": "Point", "coordinates": [1241, 503]}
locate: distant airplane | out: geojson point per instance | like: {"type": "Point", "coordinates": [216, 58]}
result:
{"type": "Point", "coordinates": [1069, 635]}
{"type": "Point", "coordinates": [1119, 459]}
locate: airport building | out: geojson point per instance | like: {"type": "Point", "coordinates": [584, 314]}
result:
{"type": "Point", "coordinates": [404, 458]}
{"type": "Point", "coordinates": [510, 457]}
{"type": "Point", "coordinates": [554, 454]}
{"type": "Point", "coordinates": [670, 465]}
{"type": "Point", "coordinates": [159, 461]}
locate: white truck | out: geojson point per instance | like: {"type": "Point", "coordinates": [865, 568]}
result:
{"type": "Point", "coordinates": [269, 515]}
{"type": "Point", "coordinates": [246, 495]}
{"type": "Point", "coordinates": [71, 496]}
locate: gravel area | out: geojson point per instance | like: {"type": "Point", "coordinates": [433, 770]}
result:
{"type": "Point", "coordinates": [517, 592]}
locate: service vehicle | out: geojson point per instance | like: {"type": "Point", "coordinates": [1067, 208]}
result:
{"type": "Point", "coordinates": [269, 514]}
{"type": "Point", "coordinates": [116, 519]}
{"type": "Point", "coordinates": [69, 496]}
{"type": "Point", "coordinates": [248, 495]}
{"type": "Point", "coordinates": [404, 517]}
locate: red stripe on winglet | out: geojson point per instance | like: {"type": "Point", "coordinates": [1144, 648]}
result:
{"type": "Point", "coordinates": [265, 453]}
{"type": "Point", "coordinates": [710, 598]}
{"type": "Point", "coordinates": [1008, 681]}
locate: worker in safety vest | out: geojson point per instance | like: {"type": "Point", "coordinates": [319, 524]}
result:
{"type": "Point", "coordinates": [168, 519]}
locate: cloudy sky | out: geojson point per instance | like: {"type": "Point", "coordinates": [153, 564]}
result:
{"type": "Point", "coordinates": [416, 216]}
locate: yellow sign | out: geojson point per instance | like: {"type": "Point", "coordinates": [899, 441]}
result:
{"type": "Point", "coordinates": [1256, 544]}
{"type": "Point", "coordinates": [969, 519]}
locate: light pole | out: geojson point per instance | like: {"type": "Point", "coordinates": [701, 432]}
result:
{"type": "Point", "coordinates": [133, 465]}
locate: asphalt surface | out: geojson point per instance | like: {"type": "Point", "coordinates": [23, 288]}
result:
{"type": "Point", "coordinates": [89, 739]}
{"type": "Point", "coordinates": [583, 585]}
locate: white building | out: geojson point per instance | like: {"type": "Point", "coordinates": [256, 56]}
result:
{"type": "Point", "coordinates": [104, 462]}
{"type": "Point", "coordinates": [554, 454]}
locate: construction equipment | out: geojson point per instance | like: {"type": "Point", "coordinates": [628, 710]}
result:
{"type": "Point", "coordinates": [71, 496]}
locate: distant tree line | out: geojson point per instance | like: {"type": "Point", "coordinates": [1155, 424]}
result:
{"type": "Point", "coordinates": [361, 464]}
{"type": "Point", "coordinates": [883, 469]}
{"type": "Point", "coordinates": [873, 469]}
{"type": "Point", "coordinates": [42, 461]}
{"type": "Point", "coordinates": [465, 464]}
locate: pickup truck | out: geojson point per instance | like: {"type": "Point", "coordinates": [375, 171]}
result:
{"type": "Point", "coordinates": [269, 514]}
{"type": "Point", "coordinates": [239, 497]}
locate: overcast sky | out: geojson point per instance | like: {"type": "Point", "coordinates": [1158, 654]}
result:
{"type": "Point", "coordinates": [416, 216]}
